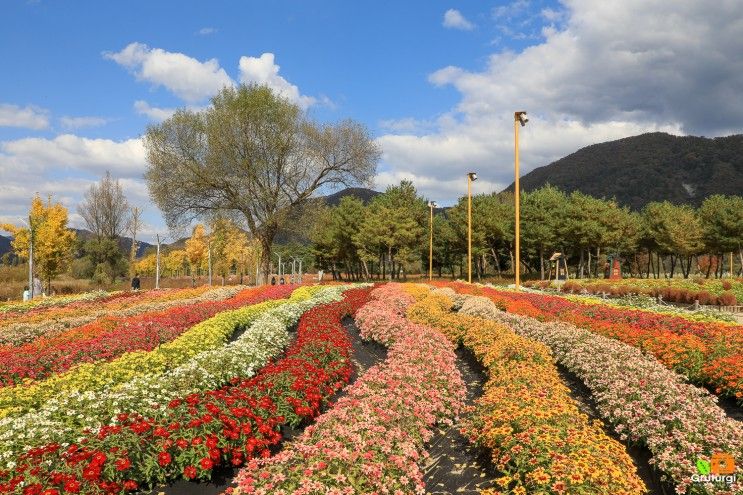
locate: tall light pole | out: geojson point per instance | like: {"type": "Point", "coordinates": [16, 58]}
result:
{"type": "Point", "coordinates": [471, 177]}
{"type": "Point", "coordinates": [431, 205]}
{"type": "Point", "coordinates": [519, 120]}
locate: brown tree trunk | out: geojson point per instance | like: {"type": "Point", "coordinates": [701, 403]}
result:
{"type": "Point", "coordinates": [496, 261]}
{"type": "Point", "coordinates": [392, 265]}
{"type": "Point", "coordinates": [541, 264]}
{"type": "Point", "coordinates": [510, 253]}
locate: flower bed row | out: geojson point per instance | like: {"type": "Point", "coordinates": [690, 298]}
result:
{"type": "Point", "coordinates": [645, 303]}
{"type": "Point", "coordinates": [707, 353]}
{"type": "Point", "coordinates": [110, 337]}
{"type": "Point", "coordinates": [642, 400]}
{"type": "Point", "coordinates": [93, 376]}
{"type": "Point", "coordinates": [724, 292]}
{"type": "Point", "coordinates": [536, 434]}
{"type": "Point", "coordinates": [196, 432]}
{"type": "Point", "coordinates": [8, 310]}
{"type": "Point", "coordinates": [63, 416]}
{"type": "Point", "coordinates": [19, 331]}
{"type": "Point", "coordinates": [109, 300]}
{"type": "Point", "coordinates": [372, 440]}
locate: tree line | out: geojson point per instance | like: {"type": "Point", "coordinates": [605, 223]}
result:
{"type": "Point", "coordinates": [388, 238]}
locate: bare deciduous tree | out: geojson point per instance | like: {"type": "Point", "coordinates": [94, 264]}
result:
{"type": "Point", "coordinates": [133, 226]}
{"type": "Point", "coordinates": [253, 153]}
{"type": "Point", "coordinates": [105, 208]}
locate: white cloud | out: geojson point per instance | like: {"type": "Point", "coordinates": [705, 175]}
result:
{"type": "Point", "coordinates": [205, 31]}
{"type": "Point", "coordinates": [455, 20]}
{"type": "Point", "coordinates": [184, 76]}
{"type": "Point", "coordinates": [154, 113]}
{"type": "Point", "coordinates": [67, 151]}
{"type": "Point", "coordinates": [552, 15]}
{"type": "Point", "coordinates": [263, 70]}
{"type": "Point", "coordinates": [510, 10]}
{"type": "Point", "coordinates": [610, 70]}
{"type": "Point", "coordinates": [80, 122]}
{"type": "Point", "coordinates": [29, 117]}
{"type": "Point", "coordinates": [65, 167]}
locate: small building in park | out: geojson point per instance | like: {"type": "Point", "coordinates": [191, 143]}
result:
{"type": "Point", "coordinates": [558, 267]}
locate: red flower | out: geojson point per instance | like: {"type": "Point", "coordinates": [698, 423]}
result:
{"type": "Point", "coordinates": [123, 464]}
{"type": "Point", "coordinates": [206, 463]}
{"type": "Point", "coordinates": [130, 485]}
{"type": "Point", "coordinates": [34, 489]}
{"type": "Point", "coordinates": [189, 472]}
{"type": "Point", "coordinates": [72, 486]}
{"type": "Point", "coordinates": [164, 458]}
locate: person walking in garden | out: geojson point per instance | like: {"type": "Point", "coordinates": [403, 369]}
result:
{"type": "Point", "coordinates": [26, 294]}
{"type": "Point", "coordinates": [135, 282]}
{"type": "Point", "coordinates": [273, 280]}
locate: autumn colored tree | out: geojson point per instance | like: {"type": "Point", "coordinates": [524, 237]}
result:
{"type": "Point", "coordinates": [197, 251]}
{"type": "Point", "coordinates": [53, 242]}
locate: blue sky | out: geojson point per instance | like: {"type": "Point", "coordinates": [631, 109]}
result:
{"type": "Point", "coordinates": [436, 82]}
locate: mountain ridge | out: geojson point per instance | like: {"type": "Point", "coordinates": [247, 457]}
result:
{"type": "Point", "coordinates": [649, 167]}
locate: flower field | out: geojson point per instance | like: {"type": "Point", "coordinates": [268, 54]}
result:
{"type": "Point", "coordinates": [24, 328]}
{"type": "Point", "coordinates": [708, 353]}
{"type": "Point", "coordinates": [155, 388]}
{"type": "Point", "coordinates": [724, 292]}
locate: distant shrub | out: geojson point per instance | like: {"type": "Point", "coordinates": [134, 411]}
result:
{"type": "Point", "coordinates": [706, 298]}
{"type": "Point", "coordinates": [571, 287]}
{"type": "Point", "coordinates": [727, 285]}
{"type": "Point", "coordinates": [727, 298]}
{"type": "Point", "coordinates": [700, 281]}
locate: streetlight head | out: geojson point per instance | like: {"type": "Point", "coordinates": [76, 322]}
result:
{"type": "Point", "coordinates": [522, 118]}
{"type": "Point", "coordinates": [432, 204]}
{"type": "Point", "coordinates": [472, 176]}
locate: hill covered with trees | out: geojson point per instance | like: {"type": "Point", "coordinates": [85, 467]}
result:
{"type": "Point", "coordinates": [650, 167]}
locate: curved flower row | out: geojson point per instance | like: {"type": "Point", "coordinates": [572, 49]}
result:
{"type": "Point", "coordinates": [63, 416]}
{"type": "Point", "coordinates": [194, 433]}
{"type": "Point", "coordinates": [644, 401]}
{"type": "Point", "coordinates": [8, 310]}
{"type": "Point", "coordinates": [372, 440]}
{"type": "Point", "coordinates": [94, 376]}
{"type": "Point", "coordinates": [707, 353]}
{"type": "Point", "coordinates": [646, 303]}
{"type": "Point", "coordinates": [108, 338]}
{"type": "Point", "coordinates": [23, 330]}
{"type": "Point", "coordinates": [538, 438]}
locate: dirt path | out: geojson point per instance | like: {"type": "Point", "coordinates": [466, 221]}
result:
{"type": "Point", "coordinates": [456, 466]}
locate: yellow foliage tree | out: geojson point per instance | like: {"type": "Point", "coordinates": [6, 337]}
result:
{"type": "Point", "coordinates": [146, 265]}
{"type": "Point", "coordinates": [53, 242]}
{"type": "Point", "coordinates": [174, 262]}
{"type": "Point", "coordinates": [197, 250]}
